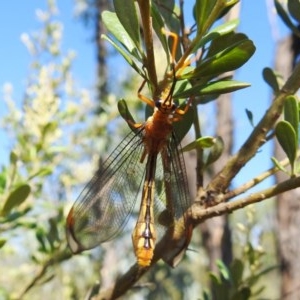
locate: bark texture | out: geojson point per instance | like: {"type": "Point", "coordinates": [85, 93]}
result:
{"type": "Point", "coordinates": [288, 204]}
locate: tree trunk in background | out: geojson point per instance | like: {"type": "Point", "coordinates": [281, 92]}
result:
{"type": "Point", "coordinates": [288, 204]}
{"type": "Point", "coordinates": [101, 5]}
{"type": "Point", "coordinates": [216, 233]}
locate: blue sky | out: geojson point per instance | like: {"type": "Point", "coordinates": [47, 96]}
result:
{"type": "Point", "coordinates": [17, 17]}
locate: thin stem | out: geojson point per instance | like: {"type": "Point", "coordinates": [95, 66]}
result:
{"type": "Point", "coordinates": [54, 260]}
{"type": "Point", "coordinates": [219, 6]}
{"type": "Point", "coordinates": [199, 214]}
{"type": "Point", "coordinates": [255, 181]}
{"type": "Point", "coordinates": [184, 39]}
{"type": "Point", "coordinates": [144, 6]}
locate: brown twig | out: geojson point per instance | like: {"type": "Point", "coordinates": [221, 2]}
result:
{"type": "Point", "coordinates": [256, 180]}
{"type": "Point", "coordinates": [200, 214]}
{"type": "Point", "coordinates": [55, 259]}
{"type": "Point", "coordinates": [149, 63]}
{"type": "Point", "coordinates": [258, 136]}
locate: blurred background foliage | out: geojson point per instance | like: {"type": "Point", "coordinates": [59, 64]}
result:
{"type": "Point", "coordinates": [56, 134]}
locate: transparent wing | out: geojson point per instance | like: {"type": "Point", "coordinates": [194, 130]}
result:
{"type": "Point", "coordinates": [172, 198]}
{"type": "Point", "coordinates": [103, 207]}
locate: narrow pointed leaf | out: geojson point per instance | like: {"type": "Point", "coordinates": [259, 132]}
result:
{"type": "Point", "coordinates": [128, 18]}
{"type": "Point", "coordinates": [217, 32]}
{"type": "Point", "coordinates": [113, 25]}
{"type": "Point", "coordinates": [243, 294]}
{"type": "Point", "coordinates": [215, 151]}
{"type": "Point", "coordinates": [250, 116]}
{"type": "Point", "coordinates": [203, 142]}
{"type": "Point", "coordinates": [212, 88]}
{"type": "Point", "coordinates": [224, 61]}
{"type": "Point", "coordinates": [294, 9]}
{"type": "Point", "coordinates": [169, 12]}
{"type": "Point", "coordinates": [126, 55]}
{"type": "Point", "coordinates": [158, 25]}
{"type": "Point", "coordinates": [237, 270]}
{"type": "Point", "coordinates": [271, 79]}
{"type": "Point", "coordinates": [278, 165]}
{"type": "Point", "coordinates": [224, 271]}
{"type": "Point", "coordinates": [203, 9]}
{"type": "Point", "coordinates": [285, 17]}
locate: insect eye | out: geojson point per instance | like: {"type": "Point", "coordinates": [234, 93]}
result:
{"type": "Point", "coordinates": [159, 103]}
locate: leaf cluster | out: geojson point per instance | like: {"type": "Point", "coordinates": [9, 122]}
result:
{"type": "Point", "coordinates": [290, 15]}
{"type": "Point", "coordinates": [219, 48]}
{"type": "Point", "coordinates": [243, 279]}
{"type": "Point", "coordinates": [199, 64]}
{"type": "Point", "coordinates": [287, 133]}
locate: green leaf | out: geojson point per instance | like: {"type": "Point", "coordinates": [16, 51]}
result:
{"type": "Point", "coordinates": [285, 18]}
{"type": "Point", "coordinates": [212, 88]}
{"type": "Point", "coordinates": [169, 12]}
{"type": "Point", "coordinates": [278, 165]}
{"type": "Point", "coordinates": [217, 32]}
{"type": "Point", "coordinates": [294, 9]}
{"type": "Point", "coordinates": [53, 233]}
{"type": "Point", "coordinates": [271, 79]}
{"type": "Point", "coordinates": [254, 279]}
{"type": "Point", "coordinates": [226, 60]}
{"type": "Point", "coordinates": [126, 115]}
{"type": "Point", "coordinates": [42, 172]}
{"type": "Point", "coordinates": [14, 216]}
{"type": "Point", "coordinates": [202, 11]}
{"type": "Point", "coordinates": [224, 271]}
{"type": "Point", "coordinates": [206, 295]}
{"type": "Point", "coordinates": [182, 127]}
{"type": "Point", "coordinates": [224, 42]}
{"type": "Point", "coordinates": [3, 178]}
{"type": "Point", "coordinates": [2, 242]}
{"type": "Point", "coordinates": [127, 16]}
{"type": "Point", "coordinates": [249, 116]}
{"type": "Point", "coordinates": [13, 158]}
{"type": "Point", "coordinates": [228, 5]}
{"type": "Point", "coordinates": [203, 142]}
{"type": "Point", "coordinates": [286, 137]}
{"type": "Point", "coordinates": [114, 26]}
{"type": "Point", "coordinates": [243, 294]}
{"type": "Point", "coordinates": [206, 12]}
{"type": "Point", "coordinates": [215, 279]}
{"type": "Point", "coordinates": [16, 197]}
{"type": "Point", "coordinates": [127, 57]}
{"type": "Point", "coordinates": [291, 114]}
{"type": "Point", "coordinates": [40, 235]}
{"type": "Point", "coordinates": [237, 269]}
{"type": "Point", "coordinates": [158, 25]}
{"type": "Point", "coordinates": [215, 151]}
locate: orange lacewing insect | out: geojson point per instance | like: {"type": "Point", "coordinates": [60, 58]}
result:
{"type": "Point", "coordinates": [151, 155]}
